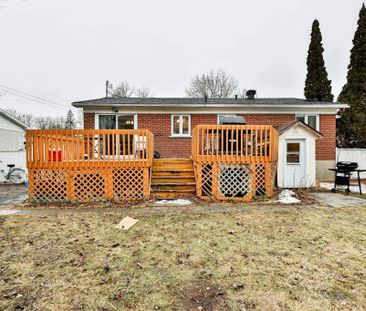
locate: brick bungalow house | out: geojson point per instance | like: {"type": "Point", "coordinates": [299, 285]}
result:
{"type": "Point", "coordinates": [172, 120]}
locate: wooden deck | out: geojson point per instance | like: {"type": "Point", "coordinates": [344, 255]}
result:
{"type": "Point", "coordinates": [234, 162]}
{"type": "Point", "coordinates": [228, 163]}
{"type": "Point", "coordinates": [89, 165]}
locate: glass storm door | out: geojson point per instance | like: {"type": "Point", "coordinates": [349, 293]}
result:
{"type": "Point", "coordinates": [126, 122]}
{"type": "Point", "coordinates": [106, 146]}
{"type": "Point", "coordinates": [120, 122]}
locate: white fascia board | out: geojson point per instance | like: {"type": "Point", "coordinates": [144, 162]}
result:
{"type": "Point", "coordinates": [283, 109]}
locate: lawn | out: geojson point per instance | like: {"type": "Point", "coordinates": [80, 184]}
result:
{"type": "Point", "coordinates": [255, 258]}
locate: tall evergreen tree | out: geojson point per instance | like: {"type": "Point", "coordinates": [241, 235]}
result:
{"type": "Point", "coordinates": [351, 127]}
{"type": "Point", "coordinates": [317, 85]}
{"type": "Point", "coordinates": [70, 122]}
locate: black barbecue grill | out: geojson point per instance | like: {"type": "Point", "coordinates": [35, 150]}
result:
{"type": "Point", "coordinates": [343, 173]}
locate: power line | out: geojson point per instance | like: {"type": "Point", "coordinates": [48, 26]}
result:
{"type": "Point", "coordinates": [38, 101]}
{"type": "Point", "coordinates": [32, 97]}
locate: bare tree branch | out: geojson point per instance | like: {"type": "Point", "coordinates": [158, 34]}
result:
{"type": "Point", "coordinates": [213, 84]}
{"type": "Point", "coordinates": [124, 89]}
{"type": "Point", "coordinates": [142, 92]}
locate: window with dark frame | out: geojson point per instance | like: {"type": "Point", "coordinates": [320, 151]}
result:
{"type": "Point", "coordinates": [311, 120]}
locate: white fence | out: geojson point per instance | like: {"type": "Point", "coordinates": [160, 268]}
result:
{"type": "Point", "coordinates": [353, 155]}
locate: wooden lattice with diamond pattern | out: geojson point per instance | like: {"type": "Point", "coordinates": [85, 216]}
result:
{"type": "Point", "coordinates": [85, 185]}
{"type": "Point", "coordinates": [89, 165]}
{"type": "Point", "coordinates": [234, 181]}
{"type": "Point", "coordinates": [234, 162]}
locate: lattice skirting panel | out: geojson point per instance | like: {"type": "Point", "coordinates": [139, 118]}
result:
{"type": "Point", "coordinates": [235, 181]}
{"type": "Point", "coordinates": [86, 185]}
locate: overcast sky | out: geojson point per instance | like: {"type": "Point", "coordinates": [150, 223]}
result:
{"type": "Point", "coordinates": [65, 50]}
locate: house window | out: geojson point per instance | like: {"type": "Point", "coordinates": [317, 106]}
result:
{"type": "Point", "coordinates": [119, 122]}
{"type": "Point", "coordinates": [311, 120]}
{"type": "Point", "coordinates": [220, 118]}
{"type": "Point", "coordinates": [181, 125]}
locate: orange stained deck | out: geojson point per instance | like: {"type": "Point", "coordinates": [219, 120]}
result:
{"type": "Point", "coordinates": [235, 143]}
{"type": "Point", "coordinates": [89, 165]}
{"type": "Point", "coordinates": [234, 162]}
{"type": "Point", "coordinates": [89, 148]}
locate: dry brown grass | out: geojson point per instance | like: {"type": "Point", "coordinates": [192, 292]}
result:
{"type": "Point", "coordinates": [262, 259]}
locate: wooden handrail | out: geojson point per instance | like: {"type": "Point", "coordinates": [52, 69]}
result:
{"type": "Point", "coordinates": [89, 148]}
{"type": "Point", "coordinates": [234, 143]}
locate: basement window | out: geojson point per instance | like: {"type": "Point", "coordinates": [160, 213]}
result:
{"type": "Point", "coordinates": [181, 125]}
{"type": "Point", "coordinates": [311, 120]}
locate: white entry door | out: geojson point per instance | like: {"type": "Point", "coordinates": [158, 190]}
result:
{"type": "Point", "coordinates": [295, 161]}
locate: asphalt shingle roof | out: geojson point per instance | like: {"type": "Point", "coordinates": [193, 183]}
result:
{"type": "Point", "coordinates": [182, 101]}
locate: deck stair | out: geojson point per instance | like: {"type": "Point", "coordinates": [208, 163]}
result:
{"type": "Point", "coordinates": [172, 178]}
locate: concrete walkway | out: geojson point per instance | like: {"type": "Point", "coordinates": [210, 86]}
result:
{"type": "Point", "coordinates": [338, 199]}
{"type": "Point", "coordinates": [12, 194]}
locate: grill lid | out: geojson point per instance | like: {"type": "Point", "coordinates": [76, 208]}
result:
{"type": "Point", "coordinates": [346, 165]}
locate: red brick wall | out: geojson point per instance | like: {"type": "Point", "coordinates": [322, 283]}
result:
{"type": "Point", "coordinates": [326, 147]}
{"type": "Point", "coordinates": [159, 125]}
{"type": "Point", "coordinates": [171, 147]}
{"type": "Point", "coordinates": [271, 119]}
{"type": "Point", "coordinates": [89, 120]}
{"type": "Point", "coordinates": [181, 147]}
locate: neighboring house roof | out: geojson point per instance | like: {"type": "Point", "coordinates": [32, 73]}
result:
{"type": "Point", "coordinates": [201, 102]}
{"type": "Point", "coordinates": [286, 126]}
{"type": "Point", "coordinates": [12, 119]}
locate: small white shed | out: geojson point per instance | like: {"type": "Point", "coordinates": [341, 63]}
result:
{"type": "Point", "coordinates": [297, 155]}
{"type": "Point", "coordinates": [12, 142]}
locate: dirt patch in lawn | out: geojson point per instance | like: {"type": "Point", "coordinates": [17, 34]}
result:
{"type": "Point", "coordinates": [201, 295]}
{"type": "Point", "coordinates": [248, 259]}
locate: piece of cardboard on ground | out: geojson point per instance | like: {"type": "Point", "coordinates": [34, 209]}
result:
{"type": "Point", "coordinates": [126, 223]}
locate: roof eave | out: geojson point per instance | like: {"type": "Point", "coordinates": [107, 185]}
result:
{"type": "Point", "coordinates": [14, 120]}
{"type": "Point", "coordinates": [309, 105]}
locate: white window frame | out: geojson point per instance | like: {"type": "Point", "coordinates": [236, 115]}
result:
{"type": "Point", "coordinates": [306, 116]}
{"type": "Point", "coordinates": [172, 134]}
{"type": "Point", "coordinates": [135, 119]}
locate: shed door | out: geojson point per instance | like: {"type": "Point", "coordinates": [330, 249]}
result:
{"type": "Point", "coordinates": [295, 173]}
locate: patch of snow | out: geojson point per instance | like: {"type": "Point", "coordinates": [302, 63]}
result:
{"type": "Point", "coordinates": [353, 188]}
{"type": "Point", "coordinates": [287, 197]}
{"type": "Point", "coordinates": [5, 212]}
{"type": "Point", "coordinates": [177, 202]}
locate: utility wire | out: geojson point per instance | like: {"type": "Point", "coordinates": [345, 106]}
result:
{"type": "Point", "coordinates": [38, 101]}
{"type": "Point", "coordinates": [35, 98]}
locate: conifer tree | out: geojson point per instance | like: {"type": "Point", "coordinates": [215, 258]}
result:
{"type": "Point", "coordinates": [351, 127]}
{"type": "Point", "coordinates": [70, 122]}
{"type": "Point", "coordinates": [317, 85]}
